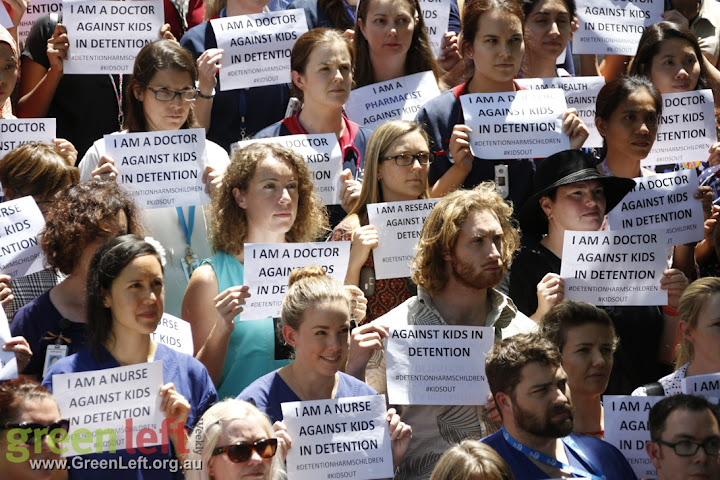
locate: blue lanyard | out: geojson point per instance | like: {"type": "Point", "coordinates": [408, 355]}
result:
{"type": "Point", "coordinates": [187, 227]}
{"type": "Point", "coordinates": [350, 10]}
{"type": "Point", "coordinates": [541, 457]}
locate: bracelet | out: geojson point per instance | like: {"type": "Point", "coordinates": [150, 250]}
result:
{"type": "Point", "coordinates": [206, 97]}
{"type": "Point", "coordinates": [670, 311]}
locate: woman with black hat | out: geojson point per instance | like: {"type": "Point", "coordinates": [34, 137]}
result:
{"type": "Point", "coordinates": [570, 194]}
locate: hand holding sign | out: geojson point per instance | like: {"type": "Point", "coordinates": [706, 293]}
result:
{"type": "Point", "coordinates": [363, 240]}
{"type": "Point", "coordinates": [363, 343]}
{"type": "Point", "coordinates": [105, 169]}
{"type": "Point", "coordinates": [349, 190]}
{"type": "Point", "coordinates": [6, 295]}
{"type": "Point", "coordinates": [674, 282]}
{"type": "Point", "coordinates": [228, 304]}
{"type": "Point", "coordinates": [400, 435]}
{"type": "Point", "coordinates": [550, 292]}
{"type": "Point", "coordinates": [177, 408]}
{"type": "Point", "coordinates": [574, 128]}
{"type": "Point", "coordinates": [460, 148]}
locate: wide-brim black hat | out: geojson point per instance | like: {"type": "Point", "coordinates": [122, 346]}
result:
{"type": "Point", "coordinates": [564, 168]}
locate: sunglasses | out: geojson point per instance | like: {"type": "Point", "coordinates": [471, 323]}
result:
{"type": "Point", "coordinates": [241, 452]}
{"type": "Point", "coordinates": [38, 429]}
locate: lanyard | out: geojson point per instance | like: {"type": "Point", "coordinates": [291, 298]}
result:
{"type": "Point", "coordinates": [242, 111]}
{"type": "Point", "coordinates": [541, 457]}
{"type": "Point", "coordinates": [187, 227]}
{"type": "Point", "coordinates": [118, 98]}
{"type": "Point", "coordinates": [350, 10]}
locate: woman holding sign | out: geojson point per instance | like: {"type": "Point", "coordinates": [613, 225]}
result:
{"type": "Point", "coordinates": [698, 352]}
{"type": "Point", "coordinates": [266, 196]}
{"type": "Point", "coordinates": [547, 31]}
{"type": "Point", "coordinates": [397, 162]}
{"type": "Point", "coordinates": [316, 323]}
{"type": "Point", "coordinates": [161, 98]}
{"type": "Point", "coordinates": [570, 194]}
{"type": "Point", "coordinates": [493, 46]}
{"type": "Point", "coordinates": [125, 305]}
{"type": "Point", "coordinates": [322, 74]}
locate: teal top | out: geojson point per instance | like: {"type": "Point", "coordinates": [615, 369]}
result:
{"type": "Point", "coordinates": [251, 352]}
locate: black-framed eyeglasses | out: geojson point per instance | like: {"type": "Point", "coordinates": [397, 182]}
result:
{"type": "Point", "coordinates": [241, 452]}
{"type": "Point", "coordinates": [34, 428]}
{"type": "Point", "coordinates": [167, 95]}
{"type": "Point", "coordinates": [405, 159]}
{"type": "Point", "coordinates": [686, 448]}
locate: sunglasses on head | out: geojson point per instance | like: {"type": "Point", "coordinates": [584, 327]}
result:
{"type": "Point", "coordinates": [241, 452]}
{"type": "Point", "coordinates": [38, 428]}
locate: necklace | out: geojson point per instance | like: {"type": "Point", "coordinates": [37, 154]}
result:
{"type": "Point", "coordinates": [297, 383]}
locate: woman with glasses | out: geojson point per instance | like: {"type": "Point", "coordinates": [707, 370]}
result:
{"type": "Point", "coordinates": [161, 97]}
{"type": "Point", "coordinates": [698, 352]}
{"type": "Point", "coordinates": [25, 407]}
{"type": "Point", "coordinates": [316, 323]}
{"type": "Point", "coordinates": [233, 439]}
{"type": "Point", "coordinates": [125, 300]}
{"type": "Point", "coordinates": [397, 161]}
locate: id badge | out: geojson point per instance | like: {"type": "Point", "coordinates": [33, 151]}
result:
{"type": "Point", "coordinates": [189, 263]}
{"type": "Point", "coordinates": [52, 355]}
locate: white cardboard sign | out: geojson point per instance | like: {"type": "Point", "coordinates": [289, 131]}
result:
{"type": "Point", "coordinates": [686, 130]}
{"type": "Point", "coordinates": [322, 155]}
{"type": "Point", "coordinates": [615, 267]}
{"type": "Point", "coordinates": [116, 399]}
{"type": "Point", "coordinates": [704, 385]}
{"type": "Point", "coordinates": [663, 201]}
{"type": "Point", "coordinates": [613, 26]}
{"type": "Point", "coordinates": [398, 225]}
{"type": "Point", "coordinates": [436, 14]}
{"type": "Point", "coordinates": [268, 267]}
{"type": "Point", "coordinates": [15, 132]}
{"type": "Point", "coordinates": [175, 333]}
{"type": "Point", "coordinates": [161, 169]}
{"type": "Point", "coordinates": [397, 99]}
{"type": "Point", "coordinates": [580, 94]}
{"type": "Point", "coordinates": [438, 365]}
{"type": "Point", "coordinates": [20, 224]}
{"type": "Point", "coordinates": [257, 47]}
{"type": "Point", "coordinates": [626, 428]}
{"type": "Point", "coordinates": [106, 36]}
{"type": "Point", "coordinates": [339, 438]}
{"type": "Point", "coordinates": [522, 124]}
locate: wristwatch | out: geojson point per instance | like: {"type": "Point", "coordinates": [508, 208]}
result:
{"type": "Point", "coordinates": [207, 97]}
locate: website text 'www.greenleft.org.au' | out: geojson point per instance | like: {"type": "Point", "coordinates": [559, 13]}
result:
{"type": "Point", "coordinates": [172, 465]}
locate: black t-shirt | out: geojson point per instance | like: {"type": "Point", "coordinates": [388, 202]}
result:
{"type": "Point", "coordinates": [639, 328]}
{"type": "Point", "coordinates": [85, 106]}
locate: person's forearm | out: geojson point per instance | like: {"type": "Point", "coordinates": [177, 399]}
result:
{"type": "Point", "coordinates": [450, 181]}
{"type": "Point", "coordinates": [203, 111]}
{"type": "Point", "coordinates": [36, 103]}
{"type": "Point", "coordinates": [212, 353]}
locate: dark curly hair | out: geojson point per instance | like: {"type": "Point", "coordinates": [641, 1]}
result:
{"type": "Point", "coordinates": [229, 222]}
{"type": "Point", "coordinates": [108, 261]}
{"type": "Point", "coordinates": [83, 214]}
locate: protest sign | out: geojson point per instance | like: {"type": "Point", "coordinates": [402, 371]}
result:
{"type": "Point", "coordinates": [663, 201]}
{"type": "Point", "coordinates": [340, 438]}
{"type": "Point", "coordinates": [436, 14]}
{"type": "Point", "coordinates": [20, 224]}
{"type": "Point", "coordinates": [35, 10]}
{"type": "Point", "coordinates": [615, 268]}
{"type": "Point", "coordinates": [686, 130]}
{"type": "Point", "coordinates": [322, 155]}
{"type": "Point", "coordinates": [8, 363]}
{"type": "Point", "coordinates": [613, 26]}
{"type": "Point", "coordinates": [105, 37]}
{"type": "Point", "coordinates": [268, 267]}
{"type": "Point", "coordinates": [257, 47]}
{"type": "Point", "coordinates": [704, 385]}
{"type": "Point", "coordinates": [626, 429]}
{"type": "Point", "coordinates": [522, 124]}
{"type": "Point", "coordinates": [397, 99]}
{"type": "Point", "coordinates": [5, 19]}
{"type": "Point", "coordinates": [15, 132]}
{"type": "Point", "coordinates": [161, 169]}
{"type": "Point", "coordinates": [105, 407]}
{"type": "Point", "coordinates": [175, 333]}
{"type": "Point", "coordinates": [580, 94]}
{"type": "Point", "coordinates": [398, 225]}
{"type": "Point", "coordinates": [438, 365]}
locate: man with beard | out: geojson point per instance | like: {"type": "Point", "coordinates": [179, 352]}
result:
{"type": "Point", "coordinates": [685, 433]}
{"type": "Point", "coordinates": [531, 393]}
{"type": "Point", "coordinates": [465, 246]}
